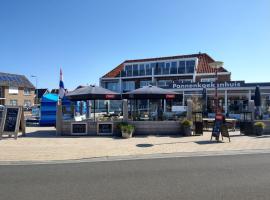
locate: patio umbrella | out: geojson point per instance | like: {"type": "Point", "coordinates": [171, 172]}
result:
{"type": "Point", "coordinates": [257, 101]}
{"type": "Point", "coordinates": [92, 92]}
{"type": "Point", "coordinates": [151, 92]}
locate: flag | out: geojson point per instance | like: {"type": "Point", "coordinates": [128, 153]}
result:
{"type": "Point", "coordinates": [61, 86]}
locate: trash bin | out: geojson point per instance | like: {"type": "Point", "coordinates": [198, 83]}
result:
{"type": "Point", "coordinates": [197, 118]}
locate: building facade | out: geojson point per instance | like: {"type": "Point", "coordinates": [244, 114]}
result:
{"type": "Point", "coordinates": [16, 90]}
{"type": "Point", "coordinates": [187, 75]}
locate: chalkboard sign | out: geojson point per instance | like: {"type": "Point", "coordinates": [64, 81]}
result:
{"type": "Point", "coordinates": [225, 132]}
{"type": "Point", "coordinates": [11, 121]}
{"type": "Point", "coordinates": [79, 129]}
{"type": "Point", "coordinates": [105, 128]}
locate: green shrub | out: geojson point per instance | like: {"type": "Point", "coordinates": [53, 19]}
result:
{"type": "Point", "coordinates": [127, 128]}
{"type": "Point", "coordinates": [260, 125]}
{"type": "Point", "coordinates": [186, 123]}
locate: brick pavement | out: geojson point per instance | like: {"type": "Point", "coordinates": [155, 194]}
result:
{"type": "Point", "coordinates": [41, 144]}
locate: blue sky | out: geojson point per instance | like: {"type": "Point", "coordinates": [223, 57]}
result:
{"type": "Point", "coordinates": [87, 38]}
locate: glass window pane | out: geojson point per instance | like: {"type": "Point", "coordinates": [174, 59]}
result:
{"type": "Point", "coordinates": [159, 68]}
{"type": "Point", "coordinates": [142, 70]}
{"type": "Point", "coordinates": [148, 69]}
{"type": "Point", "coordinates": [153, 66]}
{"type": "Point", "coordinates": [182, 67]}
{"type": "Point", "coordinates": [128, 85]}
{"type": "Point", "coordinates": [166, 69]}
{"type": "Point", "coordinates": [145, 83]}
{"type": "Point", "coordinates": [112, 86]}
{"type": "Point", "coordinates": [190, 66]}
{"type": "Point", "coordinates": [173, 68]}
{"type": "Point", "coordinates": [135, 70]}
{"type": "Point", "coordinates": [128, 70]}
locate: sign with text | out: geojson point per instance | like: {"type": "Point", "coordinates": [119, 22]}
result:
{"type": "Point", "coordinates": [11, 121]}
{"type": "Point", "coordinates": [79, 128]}
{"type": "Point", "coordinates": [110, 96]}
{"type": "Point", "coordinates": [105, 128]}
{"type": "Point", "coordinates": [198, 85]}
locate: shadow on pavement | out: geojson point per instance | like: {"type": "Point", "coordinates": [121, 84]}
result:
{"type": "Point", "coordinates": [207, 142]}
{"type": "Point", "coordinates": [144, 145]}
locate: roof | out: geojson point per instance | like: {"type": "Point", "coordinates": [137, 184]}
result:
{"type": "Point", "coordinates": [49, 98]}
{"type": "Point", "coordinates": [15, 80]}
{"type": "Point", "coordinates": [40, 92]}
{"type": "Point", "coordinates": [202, 68]}
{"type": "Point", "coordinates": [56, 91]}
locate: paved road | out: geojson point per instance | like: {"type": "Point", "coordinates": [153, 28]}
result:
{"type": "Point", "coordinates": [222, 177]}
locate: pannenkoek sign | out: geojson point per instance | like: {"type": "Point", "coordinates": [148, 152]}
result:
{"type": "Point", "coordinates": [227, 84]}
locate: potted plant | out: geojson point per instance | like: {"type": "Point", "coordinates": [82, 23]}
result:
{"type": "Point", "coordinates": [127, 130]}
{"type": "Point", "coordinates": [186, 127]}
{"type": "Point", "coordinates": [258, 128]}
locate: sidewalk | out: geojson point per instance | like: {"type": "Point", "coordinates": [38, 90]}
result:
{"type": "Point", "coordinates": [41, 144]}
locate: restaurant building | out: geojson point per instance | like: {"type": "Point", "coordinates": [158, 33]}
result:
{"type": "Point", "coordinates": [187, 75]}
{"type": "Point", "coordinates": [16, 90]}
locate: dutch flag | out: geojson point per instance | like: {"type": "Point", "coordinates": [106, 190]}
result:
{"type": "Point", "coordinates": [61, 86]}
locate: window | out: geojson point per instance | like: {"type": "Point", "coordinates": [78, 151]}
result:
{"type": "Point", "coordinates": [27, 91]}
{"type": "Point", "coordinates": [27, 103]}
{"type": "Point", "coordinates": [182, 67]}
{"type": "Point", "coordinates": [166, 70]}
{"type": "Point", "coordinates": [114, 86]}
{"type": "Point", "coordinates": [135, 70]}
{"type": "Point", "coordinates": [153, 67]}
{"type": "Point", "coordinates": [208, 80]}
{"type": "Point", "coordinates": [173, 68]}
{"type": "Point", "coordinates": [142, 70]}
{"type": "Point", "coordinates": [13, 102]}
{"type": "Point", "coordinates": [144, 83]}
{"type": "Point", "coordinates": [162, 83]}
{"type": "Point", "coordinates": [1, 93]}
{"type": "Point", "coordinates": [13, 90]}
{"type": "Point", "coordinates": [190, 66]}
{"type": "Point", "coordinates": [148, 69]}
{"type": "Point", "coordinates": [159, 68]}
{"type": "Point", "coordinates": [128, 85]}
{"type": "Point", "coordinates": [128, 70]}
{"type": "Point", "coordinates": [123, 73]}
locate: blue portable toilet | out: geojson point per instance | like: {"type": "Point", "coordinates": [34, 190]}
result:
{"type": "Point", "coordinates": [48, 110]}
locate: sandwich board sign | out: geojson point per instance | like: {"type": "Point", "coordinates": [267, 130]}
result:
{"type": "Point", "coordinates": [13, 120]}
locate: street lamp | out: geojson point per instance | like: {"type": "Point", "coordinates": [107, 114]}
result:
{"type": "Point", "coordinates": [34, 76]}
{"type": "Point", "coordinates": [216, 66]}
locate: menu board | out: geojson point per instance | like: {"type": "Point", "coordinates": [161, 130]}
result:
{"type": "Point", "coordinates": [79, 128]}
{"type": "Point", "coordinates": [105, 128]}
{"type": "Point", "coordinates": [11, 121]}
